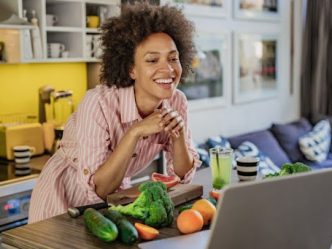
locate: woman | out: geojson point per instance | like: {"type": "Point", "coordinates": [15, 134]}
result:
{"type": "Point", "coordinates": [122, 124]}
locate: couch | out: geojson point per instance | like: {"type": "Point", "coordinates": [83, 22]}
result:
{"type": "Point", "coordinates": [279, 143]}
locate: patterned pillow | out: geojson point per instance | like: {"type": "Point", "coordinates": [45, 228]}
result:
{"type": "Point", "coordinates": [315, 144]}
{"type": "Point", "coordinates": [218, 141]}
{"type": "Point", "coordinates": [203, 156]}
{"type": "Point", "coordinates": [265, 166]}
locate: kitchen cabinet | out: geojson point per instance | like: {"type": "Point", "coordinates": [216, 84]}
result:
{"type": "Point", "coordinates": [61, 22]}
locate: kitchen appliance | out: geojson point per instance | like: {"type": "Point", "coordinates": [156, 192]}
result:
{"type": "Point", "coordinates": [62, 104]}
{"type": "Point", "coordinates": [15, 193]}
{"type": "Point", "coordinates": [13, 134]}
{"type": "Point", "coordinates": [55, 107]}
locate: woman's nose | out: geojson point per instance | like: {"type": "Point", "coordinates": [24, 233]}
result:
{"type": "Point", "coordinates": [167, 67]}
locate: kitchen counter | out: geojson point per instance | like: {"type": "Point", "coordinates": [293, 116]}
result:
{"type": "Point", "coordinates": [64, 232]}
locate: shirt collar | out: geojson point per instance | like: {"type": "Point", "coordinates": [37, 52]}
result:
{"type": "Point", "coordinates": [128, 107]}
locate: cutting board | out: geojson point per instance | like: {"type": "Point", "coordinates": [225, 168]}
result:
{"type": "Point", "coordinates": [180, 193]}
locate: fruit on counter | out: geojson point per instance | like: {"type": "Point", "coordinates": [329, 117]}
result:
{"type": "Point", "coordinates": [169, 181]}
{"type": "Point", "coordinates": [153, 206]}
{"type": "Point", "coordinates": [189, 221]}
{"type": "Point", "coordinates": [206, 208]}
{"type": "Point", "coordinates": [214, 194]}
{"type": "Point", "coordinates": [146, 232]}
{"type": "Point", "coordinates": [99, 225]}
{"type": "Point", "coordinates": [127, 232]}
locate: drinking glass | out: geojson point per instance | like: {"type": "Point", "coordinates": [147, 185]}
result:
{"type": "Point", "coordinates": [221, 166]}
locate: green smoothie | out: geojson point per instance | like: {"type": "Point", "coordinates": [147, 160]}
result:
{"type": "Point", "coordinates": [221, 166]}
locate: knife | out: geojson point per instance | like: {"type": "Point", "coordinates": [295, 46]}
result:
{"type": "Point", "coordinates": [74, 212]}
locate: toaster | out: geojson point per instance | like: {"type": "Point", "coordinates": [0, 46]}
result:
{"type": "Point", "coordinates": [21, 134]}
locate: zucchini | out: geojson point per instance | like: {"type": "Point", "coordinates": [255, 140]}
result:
{"type": "Point", "coordinates": [127, 232]}
{"type": "Point", "coordinates": [99, 225]}
{"type": "Point", "coordinates": [185, 207]}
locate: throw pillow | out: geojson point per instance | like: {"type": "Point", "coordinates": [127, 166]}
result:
{"type": "Point", "coordinates": [265, 142]}
{"type": "Point", "coordinates": [315, 144]}
{"type": "Point", "coordinates": [203, 156]}
{"type": "Point", "coordinates": [218, 141]}
{"type": "Point", "coordinates": [288, 136]}
{"type": "Point", "coordinates": [265, 166]}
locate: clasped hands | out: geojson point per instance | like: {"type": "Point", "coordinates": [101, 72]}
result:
{"type": "Point", "coordinates": [165, 119]}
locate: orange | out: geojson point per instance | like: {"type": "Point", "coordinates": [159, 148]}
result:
{"type": "Point", "coordinates": [206, 208]}
{"type": "Point", "coordinates": [146, 232]}
{"type": "Point", "coordinates": [189, 221]}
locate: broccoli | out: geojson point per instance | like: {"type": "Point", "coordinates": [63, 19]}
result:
{"type": "Point", "coordinates": [153, 206]}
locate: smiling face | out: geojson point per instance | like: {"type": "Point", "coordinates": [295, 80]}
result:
{"type": "Point", "coordinates": [157, 69]}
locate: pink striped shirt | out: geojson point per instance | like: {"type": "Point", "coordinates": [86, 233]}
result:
{"type": "Point", "coordinates": [90, 136]}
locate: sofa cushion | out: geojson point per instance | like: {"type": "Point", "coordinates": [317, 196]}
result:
{"type": "Point", "coordinates": [203, 156]}
{"type": "Point", "coordinates": [320, 165]}
{"type": "Point", "coordinates": [265, 142]}
{"type": "Point", "coordinates": [315, 145]}
{"type": "Point", "coordinates": [265, 166]}
{"type": "Point", "coordinates": [288, 136]}
{"type": "Point", "coordinates": [218, 141]}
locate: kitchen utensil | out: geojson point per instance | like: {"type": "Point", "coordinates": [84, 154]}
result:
{"type": "Point", "coordinates": [77, 211]}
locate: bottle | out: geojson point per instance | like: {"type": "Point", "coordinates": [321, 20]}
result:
{"type": "Point", "coordinates": [35, 35]}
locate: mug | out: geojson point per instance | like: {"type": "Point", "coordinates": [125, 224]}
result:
{"type": "Point", "coordinates": [23, 153]}
{"type": "Point", "coordinates": [93, 21]}
{"type": "Point", "coordinates": [247, 168]}
{"type": "Point", "coordinates": [65, 54]}
{"type": "Point", "coordinates": [51, 20]}
{"type": "Point", "coordinates": [55, 49]}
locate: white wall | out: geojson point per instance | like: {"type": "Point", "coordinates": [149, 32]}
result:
{"type": "Point", "coordinates": [232, 119]}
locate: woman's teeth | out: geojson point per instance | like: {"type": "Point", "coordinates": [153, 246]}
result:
{"type": "Point", "coordinates": [164, 81]}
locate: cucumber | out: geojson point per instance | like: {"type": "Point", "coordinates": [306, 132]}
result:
{"type": "Point", "coordinates": [185, 207]}
{"type": "Point", "coordinates": [99, 225]}
{"type": "Point", "coordinates": [127, 232]}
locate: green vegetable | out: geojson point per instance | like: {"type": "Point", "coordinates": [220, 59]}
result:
{"type": "Point", "coordinates": [153, 206]}
{"type": "Point", "coordinates": [212, 200]}
{"type": "Point", "coordinates": [185, 207]}
{"type": "Point", "coordinates": [127, 232]}
{"type": "Point", "coordinates": [290, 168]}
{"type": "Point", "coordinates": [99, 225]}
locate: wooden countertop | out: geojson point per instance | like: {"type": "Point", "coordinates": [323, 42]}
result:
{"type": "Point", "coordinates": [64, 232]}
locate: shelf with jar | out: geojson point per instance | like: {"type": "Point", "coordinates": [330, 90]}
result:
{"type": "Point", "coordinates": [54, 30]}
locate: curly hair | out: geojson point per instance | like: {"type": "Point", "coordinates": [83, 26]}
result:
{"type": "Point", "coordinates": [121, 35]}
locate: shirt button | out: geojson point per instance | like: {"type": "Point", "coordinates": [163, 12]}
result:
{"type": "Point", "coordinates": [75, 160]}
{"type": "Point", "coordinates": [135, 155]}
{"type": "Point", "coordinates": [86, 171]}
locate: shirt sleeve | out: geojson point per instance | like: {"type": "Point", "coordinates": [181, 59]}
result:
{"type": "Point", "coordinates": [93, 142]}
{"type": "Point", "coordinates": [181, 106]}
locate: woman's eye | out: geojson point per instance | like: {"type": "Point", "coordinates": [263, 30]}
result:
{"type": "Point", "coordinates": [151, 60]}
{"type": "Point", "coordinates": [174, 59]}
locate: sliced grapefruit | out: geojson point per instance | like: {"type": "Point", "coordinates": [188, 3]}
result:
{"type": "Point", "coordinates": [169, 181]}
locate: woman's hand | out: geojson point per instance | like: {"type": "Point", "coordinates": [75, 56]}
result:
{"type": "Point", "coordinates": [172, 122]}
{"type": "Point", "coordinates": [150, 125]}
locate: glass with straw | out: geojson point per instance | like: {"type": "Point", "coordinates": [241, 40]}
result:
{"type": "Point", "coordinates": [221, 166]}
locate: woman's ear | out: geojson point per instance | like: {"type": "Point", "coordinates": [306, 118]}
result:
{"type": "Point", "coordinates": [132, 73]}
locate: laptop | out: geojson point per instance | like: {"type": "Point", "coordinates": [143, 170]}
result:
{"type": "Point", "coordinates": [292, 212]}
